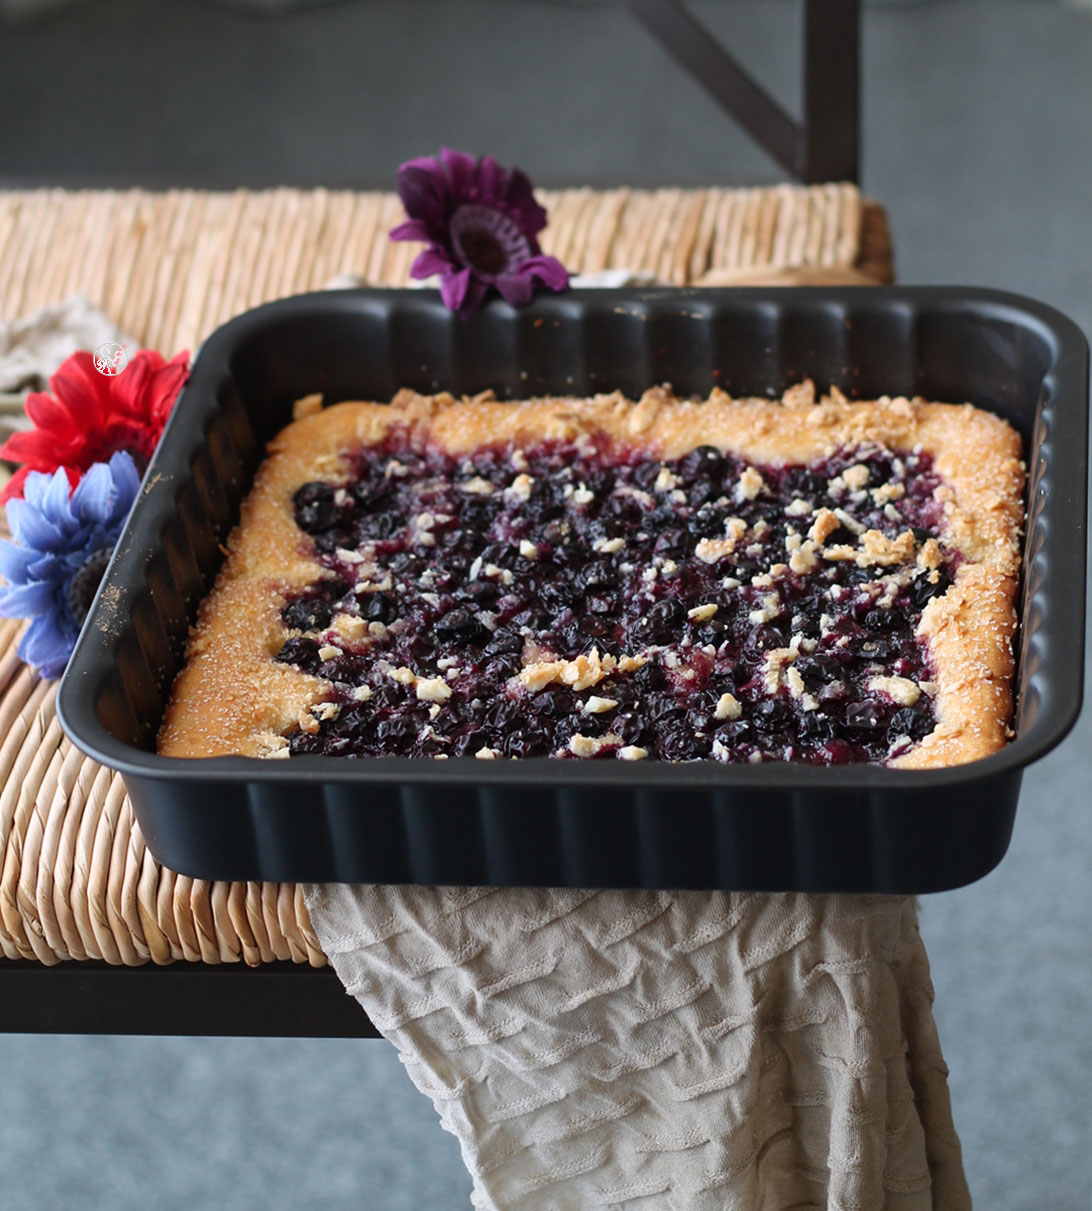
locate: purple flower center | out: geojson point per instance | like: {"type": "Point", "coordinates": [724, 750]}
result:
{"type": "Point", "coordinates": [85, 584]}
{"type": "Point", "coordinates": [488, 241]}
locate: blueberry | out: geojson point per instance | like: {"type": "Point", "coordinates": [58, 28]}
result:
{"type": "Point", "coordinates": [646, 474]}
{"type": "Point", "coordinates": [378, 526]}
{"type": "Point", "coordinates": [544, 506]}
{"type": "Point", "coordinates": [598, 574]}
{"type": "Point", "coordinates": [369, 495]}
{"type": "Point", "coordinates": [314, 507]}
{"type": "Point", "coordinates": [482, 592]}
{"type": "Point", "coordinates": [662, 620]}
{"type": "Point", "coordinates": [300, 743]}
{"type": "Point", "coordinates": [328, 541]}
{"type": "Point", "coordinates": [303, 653]}
{"type": "Point", "coordinates": [352, 723]}
{"type": "Point", "coordinates": [504, 642]}
{"type": "Point", "coordinates": [389, 696]}
{"type": "Point", "coordinates": [556, 596]}
{"type": "Point", "coordinates": [377, 607]}
{"type": "Point", "coordinates": [921, 592]}
{"type": "Point", "coordinates": [879, 620]}
{"type": "Point", "coordinates": [814, 726]}
{"type": "Point", "coordinates": [460, 626]}
{"type": "Point", "coordinates": [874, 649]}
{"type": "Point", "coordinates": [772, 715]}
{"type": "Point", "coordinates": [397, 732]}
{"type": "Point", "coordinates": [663, 706]}
{"type": "Point", "coordinates": [499, 670]}
{"type": "Point", "coordinates": [735, 732]}
{"type": "Point", "coordinates": [501, 715]}
{"type": "Point", "coordinates": [670, 541]}
{"type": "Point", "coordinates": [524, 742]}
{"type": "Point", "coordinates": [504, 555]}
{"type": "Point", "coordinates": [677, 742]}
{"type": "Point", "coordinates": [863, 715]}
{"type": "Point", "coordinates": [628, 727]}
{"type": "Point", "coordinates": [706, 522]}
{"type": "Point", "coordinates": [307, 614]}
{"type": "Point", "coordinates": [649, 677]}
{"type": "Point", "coordinates": [907, 722]}
{"type": "Point", "coordinates": [565, 729]}
{"type": "Point", "coordinates": [819, 667]}
{"type": "Point", "coordinates": [623, 509]}
{"type": "Point", "coordinates": [704, 462]}
{"type": "Point", "coordinates": [703, 491]}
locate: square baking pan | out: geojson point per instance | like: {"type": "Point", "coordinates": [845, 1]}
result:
{"type": "Point", "coordinates": [774, 826]}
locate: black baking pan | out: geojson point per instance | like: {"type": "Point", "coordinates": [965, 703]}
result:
{"type": "Point", "coordinates": [703, 824]}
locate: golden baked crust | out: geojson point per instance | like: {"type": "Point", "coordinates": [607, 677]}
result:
{"type": "Point", "coordinates": [231, 697]}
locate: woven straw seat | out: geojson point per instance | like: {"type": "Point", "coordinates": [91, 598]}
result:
{"type": "Point", "coordinates": [76, 879]}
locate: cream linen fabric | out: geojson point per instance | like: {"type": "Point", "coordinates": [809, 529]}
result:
{"type": "Point", "coordinates": [33, 347]}
{"type": "Point", "coordinates": [671, 1051]}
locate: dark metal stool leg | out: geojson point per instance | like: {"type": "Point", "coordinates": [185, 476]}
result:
{"type": "Point", "coordinates": [824, 146]}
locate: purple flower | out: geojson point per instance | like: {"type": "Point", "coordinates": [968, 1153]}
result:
{"type": "Point", "coordinates": [64, 540]}
{"type": "Point", "coordinates": [479, 221]}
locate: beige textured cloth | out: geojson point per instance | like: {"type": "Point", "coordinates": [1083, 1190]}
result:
{"type": "Point", "coordinates": [670, 1051]}
{"type": "Point", "coordinates": [33, 347]}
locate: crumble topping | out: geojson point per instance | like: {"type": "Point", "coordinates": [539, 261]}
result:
{"type": "Point", "coordinates": [582, 599]}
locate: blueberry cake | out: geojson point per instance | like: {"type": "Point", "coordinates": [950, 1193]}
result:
{"type": "Point", "coordinates": [735, 580]}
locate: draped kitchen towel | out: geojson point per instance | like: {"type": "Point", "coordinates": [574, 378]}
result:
{"type": "Point", "coordinates": [679, 1051]}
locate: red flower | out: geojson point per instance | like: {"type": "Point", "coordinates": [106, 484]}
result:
{"type": "Point", "coordinates": [91, 416]}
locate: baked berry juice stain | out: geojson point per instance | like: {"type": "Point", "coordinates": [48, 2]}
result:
{"type": "Point", "coordinates": [583, 599]}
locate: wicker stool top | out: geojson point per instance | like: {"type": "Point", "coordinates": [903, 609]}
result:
{"type": "Point", "coordinates": [76, 880]}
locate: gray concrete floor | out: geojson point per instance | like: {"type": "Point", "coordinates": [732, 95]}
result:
{"type": "Point", "coordinates": [977, 139]}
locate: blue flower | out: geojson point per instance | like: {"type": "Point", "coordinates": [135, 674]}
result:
{"type": "Point", "coordinates": [63, 542]}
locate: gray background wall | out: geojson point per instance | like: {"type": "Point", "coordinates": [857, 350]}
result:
{"type": "Point", "coordinates": [976, 138]}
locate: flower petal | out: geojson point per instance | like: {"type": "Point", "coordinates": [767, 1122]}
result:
{"type": "Point", "coordinates": [453, 287]}
{"type": "Point", "coordinates": [128, 391]}
{"type": "Point", "coordinates": [55, 501]}
{"type": "Point", "coordinates": [43, 449]}
{"type": "Point", "coordinates": [30, 528]}
{"type": "Point", "coordinates": [475, 292]}
{"type": "Point", "coordinates": [423, 196]}
{"type": "Point", "coordinates": [16, 562]}
{"type": "Point", "coordinates": [548, 270]}
{"type": "Point", "coordinates": [48, 413]}
{"type": "Point", "coordinates": [82, 389]}
{"type": "Point", "coordinates": [517, 289]}
{"type": "Point", "coordinates": [167, 384]}
{"type": "Point", "coordinates": [521, 203]}
{"type": "Point", "coordinates": [49, 566]}
{"type": "Point", "coordinates": [460, 170]}
{"type": "Point", "coordinates": [36, 488]}
{"type": "Point", "coordinates": [492, 182]}
{"type": "Point", "coordinates": [126, 486]}
{"type": "Point", "coordinates": [13, 489]}
{"type": "Point", "coordinates": [427, 164]}
{"type": "Point", "coordinates": [432, 260]}
{"type": "Point", "coordinates": [48, 644]}
{"type": "Point", "coordinates": [27, 600]}
{"type": "Point", "coordinates": [91, 499]}
{"type": "Point", "coordinates": [411, 229]}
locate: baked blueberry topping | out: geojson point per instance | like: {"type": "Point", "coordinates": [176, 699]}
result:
{"type": "Point", "coordinates": [583, 599]}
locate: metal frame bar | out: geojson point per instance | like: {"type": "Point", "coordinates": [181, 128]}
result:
{"type": "Point", "coordinates": [276, 1000]}
{"type": "Point", "coordinates": [824, 145]}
